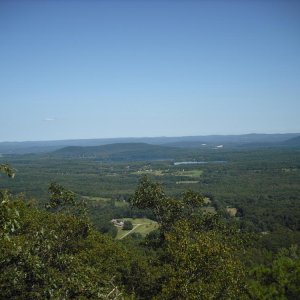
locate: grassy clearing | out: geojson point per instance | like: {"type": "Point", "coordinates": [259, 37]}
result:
{"type": "Point", "coordinates": [190, 173]}
{"type": "Point", "coordinates": [149, 172]}
{"type": "Point", "coordinates": [98, 199]}
{"type": "Point", "coordinates": [103, 199]}
{"type": "Point", "coordinates": [121, 204]}
{"type": "Point", "coordinates": [140, 225]}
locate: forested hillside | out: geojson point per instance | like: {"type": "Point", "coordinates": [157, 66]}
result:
{"type": "Point", "coordinates": [293, 142]}
{"type": "Point", "coordinates": [119, 152]}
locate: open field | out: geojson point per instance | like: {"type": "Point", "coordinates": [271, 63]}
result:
{"type": "Point", "coordinates": [142, 226]}
{"type": "Point", "coordinates": [149, 172]}
{"type": "Point", "coordinates": [98, 199]}
{"type": "Point", "coordinates": [189, 173]}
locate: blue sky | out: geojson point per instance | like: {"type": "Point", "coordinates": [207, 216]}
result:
{"type": "Point", "coordinates": [95, 69]}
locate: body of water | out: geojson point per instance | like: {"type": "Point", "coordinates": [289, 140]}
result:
{"type": "Point", "coordinates": [199, 162]}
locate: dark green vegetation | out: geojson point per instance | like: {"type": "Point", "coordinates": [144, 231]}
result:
{"type": "Point", "coordinates": [127, 225]}
{"type": "Point", "coordinates": [249, 254]}
{"type": "Point", "coordinates": [263, 185]}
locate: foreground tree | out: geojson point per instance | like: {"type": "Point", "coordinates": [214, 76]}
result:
{"type": "Point", "coordinates": [9, 215]}
{"type": "Point", "coordinates": [202, 263]}
{"type": "Point", "coordinates": [198, 253]}
{"type": "Point", "coordinates": [280, 279]}
{"type": "Point", "coordinates": [55, 255]}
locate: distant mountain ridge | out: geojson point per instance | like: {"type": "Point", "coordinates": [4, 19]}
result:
{"type": "Point", "coordinates": [183, 141]}
{"type": "Point", "coordinates": [119, 152]}
{"type": "Point", "coordinates": [293, 141]}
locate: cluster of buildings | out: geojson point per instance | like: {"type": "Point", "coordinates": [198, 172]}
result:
{"type": "Point", "coordinates": [118, 223]}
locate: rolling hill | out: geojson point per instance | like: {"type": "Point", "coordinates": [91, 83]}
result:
{"type": "Point", "coordinates": [180, 142]}
{"type": "Point", "coordinates": [294, 142]}
{"type": "Point", "coordinates": [120, 152]}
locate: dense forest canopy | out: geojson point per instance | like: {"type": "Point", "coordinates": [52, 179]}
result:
{"type": "Point", "coordinates": [66, 250]}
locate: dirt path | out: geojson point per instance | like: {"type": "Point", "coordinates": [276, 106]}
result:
{"type": "Point", "coordinates": [134, 228]}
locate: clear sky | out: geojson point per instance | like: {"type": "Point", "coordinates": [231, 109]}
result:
{"type": "Point", "coordinates": [95, 69]}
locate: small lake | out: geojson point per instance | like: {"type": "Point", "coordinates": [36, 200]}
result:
{"type": "Point", "coordinates": [199, 162]}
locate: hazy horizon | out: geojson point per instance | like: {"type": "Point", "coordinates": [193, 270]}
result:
{"type": "Point", "coordinates": [116, 69]}
{"type": "Point", "coordinates": [148, 137]}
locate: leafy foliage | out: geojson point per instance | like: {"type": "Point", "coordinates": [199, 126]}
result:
{"type": "Point", "coordinates": [198, 252]}
{"type": "Point", "coordinates": [127, 225]}
{"type": "Point", "coordinates": [278, 280]}
{"type": "Point", "coordinates": [7, 170]}
{"type": "Point", "coordinates": [202, 263]}
{"type": "Point", "coordinates": [149, 195]}
{"type": "Point", "coordinates": [9, 215]}
{"type": "Point", "coordinates": [56, 256]}
{"type": "Point", "coordinates": [63, 200]}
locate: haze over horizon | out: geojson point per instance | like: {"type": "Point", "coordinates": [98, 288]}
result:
{"type": "Point", "coordinates": [139, 138]}
{"type": "Point", "coordinates": [113, 69]}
